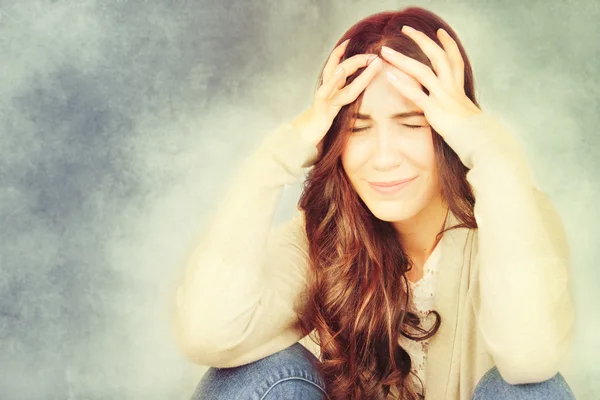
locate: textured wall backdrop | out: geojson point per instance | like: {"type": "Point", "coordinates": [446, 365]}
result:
{"type": "Point", "coordinates": [121, 121]}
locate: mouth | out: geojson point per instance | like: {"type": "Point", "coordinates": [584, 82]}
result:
{"type": "Point", "coordinates": [391, 187]}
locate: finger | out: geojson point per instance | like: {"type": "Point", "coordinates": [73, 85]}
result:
{"type": "Point", "coordinates": [351, 92]}
{"type": "Point", "coordinates": [415, 95]}
{"type": "Point", "coordinates": [457, 64]}
{"type": "Point", "coordinates": [334, 59]}
{"type": "Point", "coordinates": [437, 56]}
{"type": "Point", "coordinates": [348, 67]}
{"type": "Point", "coordinates": [352, 64]}
{"type": "Point", "coordinates": [420, 71]}
{"type": "Point", "coordinates": [330, 86]}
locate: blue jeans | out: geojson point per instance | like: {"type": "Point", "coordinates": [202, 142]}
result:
{"type": "Point", "coordinates": [289, 375]}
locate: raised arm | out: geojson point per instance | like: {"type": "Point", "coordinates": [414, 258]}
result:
{"type": "Point", "coordinates": [525, 314]}
{"type": "Point", "coordinates": [235, 304]}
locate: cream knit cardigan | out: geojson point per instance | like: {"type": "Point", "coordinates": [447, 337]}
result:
{"type": "Point", "coordinates": [502, 289]}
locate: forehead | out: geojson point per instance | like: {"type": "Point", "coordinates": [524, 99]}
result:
{"type": "Point", "coordinates": [381, 97]}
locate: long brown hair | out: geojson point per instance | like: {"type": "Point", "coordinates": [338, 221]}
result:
{"type": "Point", "coordinates": [357, 291]}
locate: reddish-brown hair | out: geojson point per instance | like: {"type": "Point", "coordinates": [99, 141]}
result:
{"type": "Point", "coordinates": [357, 293]}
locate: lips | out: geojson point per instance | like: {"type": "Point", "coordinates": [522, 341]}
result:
{"type": "Point", "coordinates": [391, 183]}
{"type": "Point", "coordinates": [388, 188]}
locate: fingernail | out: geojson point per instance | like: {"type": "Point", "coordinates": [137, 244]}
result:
{"type": "Point", "coordinates": [407, 28]}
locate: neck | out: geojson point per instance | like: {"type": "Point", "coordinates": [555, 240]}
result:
{"type": "Point", "coordinates": [418, 234]}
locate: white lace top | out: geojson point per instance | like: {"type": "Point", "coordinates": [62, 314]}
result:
{"type": "Point", "coordinates": [423, 294]}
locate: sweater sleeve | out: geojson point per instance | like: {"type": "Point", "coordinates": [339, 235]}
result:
{"type": "Point", "coordinates": [525, 313]}
{"type": "Point", "coordinates": [243, 280]}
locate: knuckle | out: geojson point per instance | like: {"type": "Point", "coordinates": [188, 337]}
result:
{"type": "Point", "coordinates": [351, 93]}
{"type": "Point", "coordinates": [439, 52]}
{"type": "Point", "coordinates": [336, 100]}
{"type": "Point", "coordinates": [364, 60]}
{"type": "Point", "coordinates": [321, 94]}
{"type": "Point", "coordinates": [336, 104]}
{"type": "Point", "coordinates": [324, 90]}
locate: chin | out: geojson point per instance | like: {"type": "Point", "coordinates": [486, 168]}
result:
{"type": "Point", "coordinates": [393, 211]}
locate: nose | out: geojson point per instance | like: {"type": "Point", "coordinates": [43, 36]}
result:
{"type": "Point", "coordinates": [385, 153]}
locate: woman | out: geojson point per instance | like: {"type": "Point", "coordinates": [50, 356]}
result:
{"type": "Point", "coordinates": [451, 284]}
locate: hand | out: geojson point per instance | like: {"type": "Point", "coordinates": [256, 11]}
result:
{"type": "Point", "coordinates": [330, 97]}
{"type": "Point", "coordinates": [447, 106]}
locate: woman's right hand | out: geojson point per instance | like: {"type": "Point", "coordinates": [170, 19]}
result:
{"type": "Point", "coordinates": [330, 97]}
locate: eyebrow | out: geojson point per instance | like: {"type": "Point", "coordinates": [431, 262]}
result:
{"type": "Point", "coordinates": [394, 116]}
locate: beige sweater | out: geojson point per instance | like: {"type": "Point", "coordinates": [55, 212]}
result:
{"type": "Point", "coordinates": [502, 290]}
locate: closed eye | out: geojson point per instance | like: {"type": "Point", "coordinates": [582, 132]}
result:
{"type": "Point", "coordinates": [408, 126]}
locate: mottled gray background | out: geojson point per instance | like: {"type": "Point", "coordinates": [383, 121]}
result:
{"type": "Point", "coordinates": [121, 121]}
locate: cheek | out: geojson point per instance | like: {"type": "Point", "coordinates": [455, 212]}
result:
{"type": "Point", "coordinates": [354, 157]}
{"type": "Point", "coordinates": [428, 164]}
{"type": "Point", "coordinates": [422, 154]}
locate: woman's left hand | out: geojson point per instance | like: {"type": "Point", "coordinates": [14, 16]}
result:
{"type": "Point", "coordinates": [447, 105]}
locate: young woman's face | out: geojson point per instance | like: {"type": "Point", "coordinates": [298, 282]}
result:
{"type": "Point", "coordinates": [388, 149]}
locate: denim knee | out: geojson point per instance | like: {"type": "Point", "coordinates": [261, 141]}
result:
{"type": "Point", "coordinates": [492, 386]}
{"type": "Point", "coordinates": [287, 374]}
